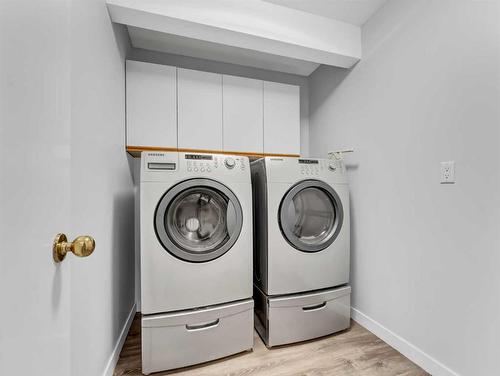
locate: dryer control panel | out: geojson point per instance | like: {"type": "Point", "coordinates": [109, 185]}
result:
{"type": "Point", "coordinates": [294, 169]}
{"type": "Point", "coordinates": [310, 166]}
{"type": "Point", "coordinates": [318, 166]}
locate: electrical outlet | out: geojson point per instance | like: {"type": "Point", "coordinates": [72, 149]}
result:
{"type": "Point", "coordinates": [448, 172]}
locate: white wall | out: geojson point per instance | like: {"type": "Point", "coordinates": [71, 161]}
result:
{"type": "Point", "coordinates": [425, 256]}
{"type": "Point", "coordinates": [102, 196]}
{"type": "Point", "coordinates": [222, 68]}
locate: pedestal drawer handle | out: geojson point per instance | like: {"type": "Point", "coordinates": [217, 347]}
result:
{"type": "Point", "coordinates": [206, 325]}
{"type": "Point", "coordinates": [315, 307]}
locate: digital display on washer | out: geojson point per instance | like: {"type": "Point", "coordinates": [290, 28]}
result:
{"type": "Point", "coordinates": [161, 166]}
{"type": "Point", "coordinates": [308, 161]}
{"type": "Point", "coordinates": [199, 156]}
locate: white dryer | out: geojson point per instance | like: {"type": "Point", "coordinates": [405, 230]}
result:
{"type": "Point", "coordinates": [301, 248]}
{"type": "Point", "coordinates": [301, 224]}
{"type": "Point", "coordinates": [196, 258]}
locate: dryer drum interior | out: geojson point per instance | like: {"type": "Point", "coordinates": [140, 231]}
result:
{"type": "Point", "coordinates": [198, 220]}
{"type": "Point", "coordinates": [311, 216]}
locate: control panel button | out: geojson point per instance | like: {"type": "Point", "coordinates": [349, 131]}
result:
{"type": "Point", "coordinates": [229, 162]}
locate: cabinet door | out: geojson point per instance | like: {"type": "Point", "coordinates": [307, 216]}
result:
{"type": "Point", "coordinates": [281, 118]}
{"type": "Point", "coordinates": [151, 104]}
{"type": "Point", "coordinates": [199, 109]}
{"type": "Point", "coordinates": [243, 114]}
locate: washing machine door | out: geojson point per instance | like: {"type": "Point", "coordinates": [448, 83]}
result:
{"type": "Point", "coordinates": [198, 220]}
{"type": "Point", "coordinates": [311, 216]}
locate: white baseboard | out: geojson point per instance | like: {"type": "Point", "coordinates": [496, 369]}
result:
{"type": "Point", "coordinates": [409, 350]}
{"type": "Point", "coordinates": [113, 359]}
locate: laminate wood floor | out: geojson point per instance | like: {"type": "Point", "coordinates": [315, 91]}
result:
{"type": "Point", "coordinates": [354, 352]}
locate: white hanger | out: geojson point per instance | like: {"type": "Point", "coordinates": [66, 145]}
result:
{"type": "Point", "coordinates": [339, 154]}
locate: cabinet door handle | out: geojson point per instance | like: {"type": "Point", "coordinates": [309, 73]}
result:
{"type": "Point", "coordinates": [315, 307]}
{"type": "Point", "coordinates": [205, 325]}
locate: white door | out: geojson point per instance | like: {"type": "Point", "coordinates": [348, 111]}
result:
{"type": "Point", "coordinates": [34, 187]}
{"type": "Point", "coordinates": [151, 104]}
{"type": "Point", "coordinates": [63, 169]}
{"type": "Point", "coordinates": [199, 110]}
{"type": "Point", "coordinates": [281, 118]}
{"type": "Point", "coordinates": [243, 114]}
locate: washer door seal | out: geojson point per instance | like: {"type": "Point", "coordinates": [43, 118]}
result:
{"type": "Point", "coordinates": [198, 220]}
{"type": "Point", "coordinates": [310, 216]}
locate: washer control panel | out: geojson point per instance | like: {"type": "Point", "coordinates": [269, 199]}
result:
{"type": "Point", "coordinates": [207, 163]}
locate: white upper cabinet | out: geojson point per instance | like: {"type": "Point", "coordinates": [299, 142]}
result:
{"type": "Point", "coordinates": [151, 105]}
{"type": "Point", "coordinates": [243, 114]}
{"type": "Point", "coordinates": [199, 109]}
{"type": "Point", "coordinates": [170, 108]}
{"type": "Point", "coordinates": [281, 118]}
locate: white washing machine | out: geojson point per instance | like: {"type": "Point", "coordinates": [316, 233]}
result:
{"type": "Point", "coordinates": [196, 258]}
{"type": "Point", "coordinates": [302, 246]}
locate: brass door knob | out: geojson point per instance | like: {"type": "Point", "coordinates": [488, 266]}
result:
{"type": "Point", "coordinates": [82, 246]}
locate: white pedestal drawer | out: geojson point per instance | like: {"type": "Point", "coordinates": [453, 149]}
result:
{"type": "Point", "coordinates": [184, 338]}
{"type": "Point", "coordinates": [299, 317]}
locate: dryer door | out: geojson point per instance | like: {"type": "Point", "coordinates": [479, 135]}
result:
{"type": "Point", "coordinates": [198, 220]}
{"type": "Point", "coordinates": [311, 215]}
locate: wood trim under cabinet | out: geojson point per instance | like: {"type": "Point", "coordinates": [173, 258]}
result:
{"type": "Point", "coordinates": [135, 151]}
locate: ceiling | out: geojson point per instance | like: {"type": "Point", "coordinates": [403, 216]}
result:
{"type": "Point", "coordinates": [355, 12]}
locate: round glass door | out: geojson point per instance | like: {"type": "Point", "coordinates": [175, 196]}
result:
{"type": "Point", "coordinates": [311, 216]}
{"type": "Point", "coordinates": [198, 220]}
